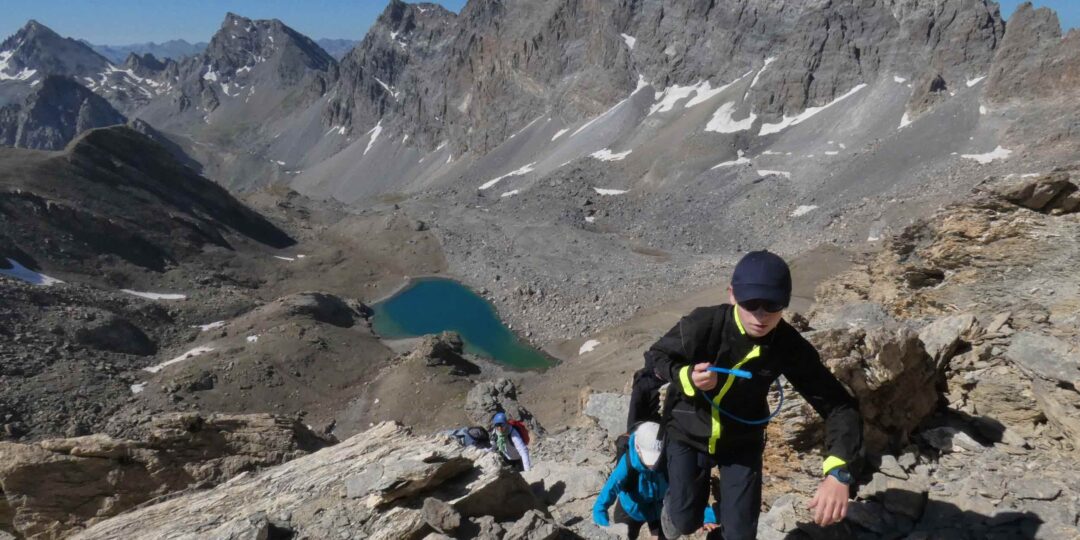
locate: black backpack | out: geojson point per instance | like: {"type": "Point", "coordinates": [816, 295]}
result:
{"type": "Point", "coordinates": [644, 399]}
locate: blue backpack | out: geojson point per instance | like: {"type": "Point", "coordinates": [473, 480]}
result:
{"type": "Point", "coordinates": [472, 436]}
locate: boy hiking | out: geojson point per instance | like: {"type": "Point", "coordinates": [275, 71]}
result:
{"type": "Point", "coordinates": [721, 362]}
{"type": "Point", "coordinates": [635, 486]}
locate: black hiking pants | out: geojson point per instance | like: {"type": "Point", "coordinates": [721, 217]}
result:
{"type": "Point", "coordinates": [740, 489]}
{"type": "Point", "coordinates": [634, 527]}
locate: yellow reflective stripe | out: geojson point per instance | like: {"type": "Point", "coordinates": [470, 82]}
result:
{"type": "Point", "coordinates": [687, 384]}
{"type": "Point", "coordinates": [717, 428]}
{"type": "Point", "coordinates": [738, 321]}
{"type": "Point", "coordinates": [831, 463]}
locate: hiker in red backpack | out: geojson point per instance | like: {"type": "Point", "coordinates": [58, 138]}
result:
{"type": "Point", "coordinates": [512, 441]}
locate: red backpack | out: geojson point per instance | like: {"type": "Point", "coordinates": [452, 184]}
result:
{"type": "Point", "coordinates": [522, 430]}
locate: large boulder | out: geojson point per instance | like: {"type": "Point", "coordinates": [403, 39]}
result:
{"type": "Point", "coordinates": [57, 486]}
{"type": "Point", "coordinates": [1046, 357]}
{"type": "Point", "coordinates": [942, 337]}
{"type": "Point", "coordinates": [487, 398]}
{"type": "Point", "coordinates": [609, 411]}
{"type": "Point", "coordinates": [889, 373]}
{"type": "Point", "coordinates": [1054, 368]}
{"type": "Point", "coordinates": [1051, 193]}
{"type": "Point", "coordinates": [106, 331]}
{"type": "Point", "coordinates": [444, 349]}
{"type": "Point", "coordinates": [385, 483]}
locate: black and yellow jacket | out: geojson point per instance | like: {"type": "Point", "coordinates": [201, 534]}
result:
{"type": "Point", "coordinates": [715, 335]}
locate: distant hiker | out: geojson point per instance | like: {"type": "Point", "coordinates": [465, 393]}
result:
{"type": "Point", "coordinates": [636, 486]}
{"type": "Point", "coordinates": [718, 419]}
{"type": "Point", "coordinates": [512, 441]}
{"type": "Point", "coordinates": [471, 436]}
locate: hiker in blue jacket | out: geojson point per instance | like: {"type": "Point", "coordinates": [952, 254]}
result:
{"type": "Point", "coordinates": [635, 487]}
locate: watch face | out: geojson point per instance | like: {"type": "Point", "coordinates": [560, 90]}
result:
{"type": "Point", "coordinates": [841, 475]}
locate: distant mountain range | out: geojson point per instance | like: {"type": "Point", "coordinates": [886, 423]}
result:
{"type": "Point", "coordinates": [432, 98]}
{"type": "Point", "coordinates": [178, 49]}
{"type": "Point", "coordinates": [337, 48]}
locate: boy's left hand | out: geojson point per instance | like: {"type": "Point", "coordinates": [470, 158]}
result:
{"type": "Point", "coordinates": [830, 503]}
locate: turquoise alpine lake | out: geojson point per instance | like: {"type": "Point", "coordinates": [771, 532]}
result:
{"type": "Point", "coordinates": [432, 305]}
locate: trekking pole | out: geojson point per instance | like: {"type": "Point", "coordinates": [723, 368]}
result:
{"type": "Point", "coordinates": [736, 372]}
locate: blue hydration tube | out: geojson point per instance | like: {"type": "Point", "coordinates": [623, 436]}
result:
{"type": "Point", "coordinates": [746, 375]}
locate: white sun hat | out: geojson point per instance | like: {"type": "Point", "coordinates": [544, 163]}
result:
{"type": "Point", "coordinates": [648, 443]}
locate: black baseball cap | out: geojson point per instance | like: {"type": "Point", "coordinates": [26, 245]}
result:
{"type": "Point", "coordinates": [762, 275]}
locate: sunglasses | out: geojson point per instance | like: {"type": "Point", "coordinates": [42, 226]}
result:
{"type": "Point", "coordinates": [767, 305]}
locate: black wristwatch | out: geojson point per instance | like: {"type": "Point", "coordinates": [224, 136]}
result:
{"type": "Point", "coordinates": [841, 474]}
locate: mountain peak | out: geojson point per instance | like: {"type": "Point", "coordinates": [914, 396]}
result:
{"type": "Point", "coordinates": [34, 26]}
{"type": "Point", "coordinates": [32, 30]}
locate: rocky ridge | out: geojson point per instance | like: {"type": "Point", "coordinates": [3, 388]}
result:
{"type": "Point", "coordinates": [54, 488]}
{"type": "Point", "coordinates": [55, 112]}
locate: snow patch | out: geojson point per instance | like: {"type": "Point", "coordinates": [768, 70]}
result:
{"type": "Point", "coordinates": [976, 80]}
{"type": "Point", "coordinates": [210, 76]}
{"type": "Point", "coordinates": [388, 89]}
{"type": "Point", "coordinates": [253, 339]}
{"type": "Point", "coordinates": [606, 155]}
{"type": "Point", "coordinates": [766, 172]}
{"type": "Point", "coordinates": [511, 193]}
{"type": "Point", "coordinates": [524, 170]}
{"type": "Point", "coordinates": [290, 259]}
{"type": "Point", "coordinates": [588, 346]}
{"type": "Point", "coordinates": [789, 121]}
{"type": "Point", "coordinates": [803, 209]}
{"type": "Point", "coordinates": [590, 219]}
{"type": "Point", "coordinates": [983, 159]}
{"type": "Point", "coordinates": [518, 132]}
{"type": "Point", "coordinates": [23, 75]}
{"type": "Point", "coordinates": [641, 83]}
{"type": "Point", "coordinates": [982, 110]}
{"type": "Point", "coordinates": [603, 191]}
{"type": "Point", "coordinates": [375, 131]}
{"type": "Point", "coordinates": [154, 296]}
{"type": "Point", "coordinates": [705, 91]}
{"type": "Point", "coordinates": [905, 121]}
{"type": "Point", "coordinates": [197, 351]}
{"type": "Point", "coordinates": [630, 41]}
{"type": "Point", "coordinates": [23, 273]}
{"type": "Point", "coordinates": [898, 79]}
{"type": "Point", "coordinates": [722, 121]}
{"type": "Point", "coordinates": [137, 388]}
{"type": "Point", "coordinates": [740, 161]}
{"type": "Point", "coordinates": [560, 133]}
{"type": "Point", "coordinates": [757, 77]}
{"type": "Point", "coordinates": [209, 326]}
{"type": "Point", "coordinates": [831, 153]}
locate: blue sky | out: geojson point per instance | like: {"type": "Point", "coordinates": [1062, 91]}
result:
{"type": "Point", "coordinates": [120, 22]}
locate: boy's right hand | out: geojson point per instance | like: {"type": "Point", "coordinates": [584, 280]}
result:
{"type": "Point", "coordinates": [599, 517]}
{"type": "Point", "coordinates": [703, 378]}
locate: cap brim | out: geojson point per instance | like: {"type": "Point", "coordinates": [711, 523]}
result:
{"type": "Point", "coordinates": [749, 291]}
{"type": "Point", "coordinates": [649, 457]}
